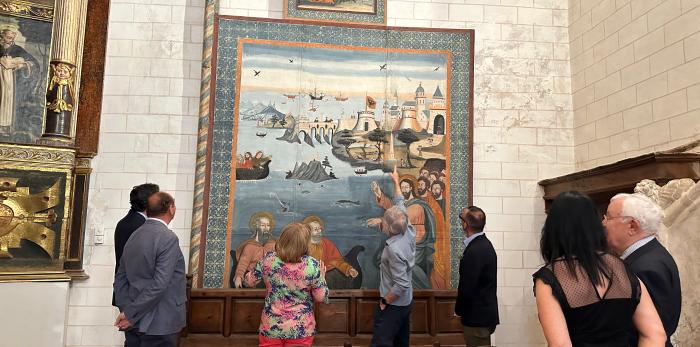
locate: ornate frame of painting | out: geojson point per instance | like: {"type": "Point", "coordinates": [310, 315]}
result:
{"type": "Point", "coordinates": [215, 180]}
{"type": "Point", "coordinates": [337, 11]}
{"type": "Point", "coordinates": [44, 45]}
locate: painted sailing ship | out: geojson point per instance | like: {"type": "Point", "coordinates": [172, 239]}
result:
{"type": "Point", "coordinates": [341, 97]}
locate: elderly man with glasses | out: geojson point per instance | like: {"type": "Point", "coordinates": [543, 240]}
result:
{"type": "Point", "coordinates": [632, 221]}
{"type": "Point", "coordinates": [477, 305]}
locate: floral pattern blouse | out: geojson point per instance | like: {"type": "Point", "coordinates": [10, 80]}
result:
{"type": "Point", "coordinates": [291, 289]}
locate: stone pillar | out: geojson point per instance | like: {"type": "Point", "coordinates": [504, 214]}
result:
{"type": "Point", "coordinates": [61, 99]}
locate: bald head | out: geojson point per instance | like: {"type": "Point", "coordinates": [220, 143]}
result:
{"type": "Point", "coordinates": [161, 205]}
{"type": "Point", "coordinates": [473, 219]}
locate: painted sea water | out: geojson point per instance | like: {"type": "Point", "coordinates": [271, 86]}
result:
{"type": "Point", "coordinates": [344, 203]}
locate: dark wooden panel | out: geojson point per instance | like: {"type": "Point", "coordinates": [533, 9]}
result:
{"type": "Point", "coordinates": [333, 317]}
{"type": "Point", "coordinates": [445, 318]}
{"type": "Point", "coordinates": [365, 315]}
{"type": "Point", "coordinates": [206, 316]}
{"type": "Point", "coordinates": [419, 316]}
{"type": "Point", "coordinates": [92, 77]}
{"type": "Point", "coordinates": [245, 315]}
{"type": "Point", "coordinates": [75, 235]}
{"type": "Point", "coordinates": [348, 318]}
{"type": "Point", "coordinates": [321, 340]}
{"type": "Point", "coordinates": [603, 182]}
{"type": "Point", "coordinates": [74, 243]}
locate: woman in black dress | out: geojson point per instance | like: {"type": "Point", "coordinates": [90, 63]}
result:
{"type": "Point", "coordinates": [585, 296]}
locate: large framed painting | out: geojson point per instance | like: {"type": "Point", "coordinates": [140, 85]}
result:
{"type": "Point", "coordinates": [25, 44]}
{"type": "Point", "coordinates": [370, 12]}
{"type": "Point", "coordinates": [302, 123]}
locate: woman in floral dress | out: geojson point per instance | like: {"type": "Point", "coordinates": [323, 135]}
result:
{"type": "Point", "coordinates": [294, 280]}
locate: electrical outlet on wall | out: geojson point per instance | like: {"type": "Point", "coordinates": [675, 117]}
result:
{"type": "Point", "coordinates": [98, 235]}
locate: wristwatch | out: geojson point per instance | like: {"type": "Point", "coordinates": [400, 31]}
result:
{"type": "Point", "coordinates": [383, 301]}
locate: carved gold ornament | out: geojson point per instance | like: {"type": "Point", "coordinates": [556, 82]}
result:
{"type": "Point", "coordinates": [27, 9]}
{"type": "Point", "coordinates": [62, 80]}
{"type": "Point", "coordinates": [36, 155]}
{"type": "Point", "coordinates": [21, 216]}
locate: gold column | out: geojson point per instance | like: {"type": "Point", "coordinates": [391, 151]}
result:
{"type": "Point", "coordinates": [61, 98]}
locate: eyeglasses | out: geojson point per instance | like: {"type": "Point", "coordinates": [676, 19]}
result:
{"type": "Point", "coordinates": [605, 217]}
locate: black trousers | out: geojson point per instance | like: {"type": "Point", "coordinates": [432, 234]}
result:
{"type": "Point", "coordinates": [392, 326]}
{"type": "Point", "coordinates": [137, 339]}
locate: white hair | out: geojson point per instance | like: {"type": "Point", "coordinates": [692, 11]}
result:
{"type": "Point", "coordinates": [647, 213]}
{"type": "Point", "coordinates": [397, 220]}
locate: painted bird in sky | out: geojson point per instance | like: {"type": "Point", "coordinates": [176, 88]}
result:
{"type": "Point", "coordinates": [382, 67]}
{"type": "Point", "coordinates": [256, 72]}
{"type": "Point", "coordinates": [291, 61]}
{"type": "Point", "coordinates": [436, 68]}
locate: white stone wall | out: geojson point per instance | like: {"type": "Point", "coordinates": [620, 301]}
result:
{"type": "Point", "coordinates": [34, 314]}
{"type": "Point", "coordinates": [635, 77]}
{"type": "Point", "coordinates": [523, 126]}
{"type": "Point", "coordinates": [523, 132]}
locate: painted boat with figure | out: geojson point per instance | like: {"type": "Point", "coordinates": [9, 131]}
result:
{"type": "Point", "coordinates": [254, 173]}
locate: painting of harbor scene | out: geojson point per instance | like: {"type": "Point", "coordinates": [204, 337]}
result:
{"type": "Point", "coordinates": [316, 130]}
{"type": "Point", "coordinates": [358, 6]}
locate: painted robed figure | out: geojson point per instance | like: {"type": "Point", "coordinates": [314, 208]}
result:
{"type": "Point", "coordinates": [18, 76]}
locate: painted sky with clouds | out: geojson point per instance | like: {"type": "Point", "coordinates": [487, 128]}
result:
{"type": "Point", "coordinates": [332, 71]}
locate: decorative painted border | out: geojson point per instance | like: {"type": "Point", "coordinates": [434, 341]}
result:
{"type": "Point", "coordinates": [291, 11]}
{"type": "Point", "coordinates": [27, 10]}
{"type": "Point", "coordinates": [216, 131]}
{"type": "Point", "coordinates": [203, 166]}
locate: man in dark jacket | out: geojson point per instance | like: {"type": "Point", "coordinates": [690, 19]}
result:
{"type": "Point", "coordinates": [138, 198]}
{"type": "Point", "coordinates": [632, 221]}
{"type": "Point", "coordinates": [477, 305]}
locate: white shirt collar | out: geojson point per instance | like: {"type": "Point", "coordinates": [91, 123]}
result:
{"type": "Point", "coordinates": [469, 239]}
{"type": "Point", "coordinates": [143, 214]}
{"type": "Point", "coordinates": [160, 220]}
{"type": "Point", "coordinates": [635, 246]}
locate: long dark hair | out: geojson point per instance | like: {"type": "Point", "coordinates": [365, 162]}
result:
{"type": "Point", "coordinates": [574, 232]}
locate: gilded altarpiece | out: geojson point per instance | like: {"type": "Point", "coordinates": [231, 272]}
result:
{"type": "Point", "coordinates": [35, 186]}
{"type": "Point", "coordinates": [41, 235]}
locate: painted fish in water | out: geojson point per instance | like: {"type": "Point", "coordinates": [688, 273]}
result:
{"type": "Point", "coordinates": [347, 203]}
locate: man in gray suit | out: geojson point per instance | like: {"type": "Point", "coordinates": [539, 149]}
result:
{"type": "Point", "coordinates": [150, 283]}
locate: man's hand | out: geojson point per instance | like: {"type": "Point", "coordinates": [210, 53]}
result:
{"type": "Point", "coordinates": [353, 273]}
{"type": "Point", "coordinates": [237, 282]}
{"type": "Point", "coordinates": [395, 176]}
{"type": "Point", "coordinates": [381, 305]}
{"type": "Point", "coordinates": [122, 323]}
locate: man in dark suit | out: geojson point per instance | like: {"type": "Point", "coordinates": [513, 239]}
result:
{"type": "Point", "coordinates": [138, 198]}
{"type": "Point", "coordinates": [477, 305]}
{"type": "Point", "coordinates": [150, 282]}
{"type": "Point", "coordinates": [632, 221]}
